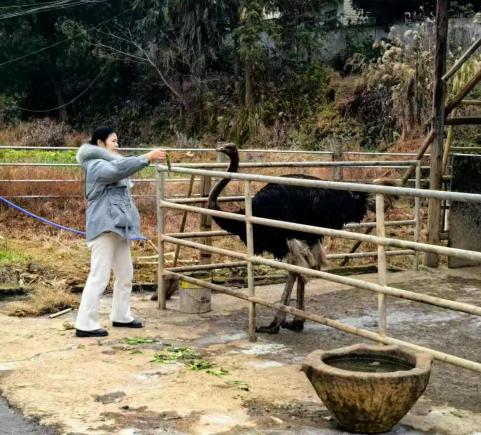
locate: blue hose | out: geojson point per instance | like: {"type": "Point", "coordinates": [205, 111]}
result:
{"type": "Point", "coordinates": [52, 224]}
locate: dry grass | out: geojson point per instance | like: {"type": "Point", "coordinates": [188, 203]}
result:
{"type": "Point", "coordinates": [44, 299]}
{"type": "Point", "coordinates": [50, 248]}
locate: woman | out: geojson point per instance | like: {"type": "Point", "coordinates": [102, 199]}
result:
{"type": "Point", "coordinates": [112, 221]}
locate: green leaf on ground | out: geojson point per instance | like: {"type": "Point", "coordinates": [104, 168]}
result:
{"type": "Point", "coordinates": [218, 372]}
{"type": "Point", "coordinates": [241, 385]}
{"type": "Point", "coordinates": [134, 341]}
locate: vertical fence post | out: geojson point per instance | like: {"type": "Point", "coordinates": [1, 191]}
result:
{"type": "Point", "coordinates": [205, 220]}
{"type": "Point", "coordinates": [417, 215]}
{"type": "Point", "coordinates": [184, 219]}
{"type": "Point", "coordinates": [250, 266]}
{"type": "Point", "coordinates": [381, 262]}
{"type": "Point", "coordinates": [439, 114]}
{"type": "Point", "coordinates": [337, 157]}
{"type": "Point", "coordinates": [160, 195]}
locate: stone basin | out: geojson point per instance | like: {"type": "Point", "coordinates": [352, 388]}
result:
{"type": "Point", "coordinates": [372, 387]}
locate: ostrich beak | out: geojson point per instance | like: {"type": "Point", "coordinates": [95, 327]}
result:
{"type": "Point", "coordinates": [221, 149]}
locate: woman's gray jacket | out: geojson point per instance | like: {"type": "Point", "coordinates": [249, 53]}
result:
{"type": "Point", "coordinates": [108, 191]}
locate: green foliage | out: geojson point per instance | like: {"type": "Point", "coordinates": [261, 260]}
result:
{"type": "Point", "coordinates": [11, 256]}
{"type": "Point", "coordinates": [9, 112]}
{"type": "Point", "coordinates": [134, 341]}
{"type": "Point", "coordinates": [356, 45]}
{"type": "Point", "coordinates": [37, 156]}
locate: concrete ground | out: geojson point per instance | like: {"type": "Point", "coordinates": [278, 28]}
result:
{"type": "Point", "coordinates": [107, 386]}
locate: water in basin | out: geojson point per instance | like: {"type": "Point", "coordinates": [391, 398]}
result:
{"type": "Point", "coordinates": [369, 364]}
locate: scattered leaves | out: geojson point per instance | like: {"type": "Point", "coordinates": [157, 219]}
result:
{"type": "Point", "coordinates": [134, 341]}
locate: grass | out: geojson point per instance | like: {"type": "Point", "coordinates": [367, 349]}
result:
{"type": "Point", "coordinates": [11, 256]}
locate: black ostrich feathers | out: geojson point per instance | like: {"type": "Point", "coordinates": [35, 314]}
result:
{"type": "Point", "coordinates": [303, 205]}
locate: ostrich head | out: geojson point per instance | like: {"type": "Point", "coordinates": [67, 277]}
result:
{"type": "Point", "coordinates": [389, 200]}
{"type": "Point", "coordinates": [230, 150]}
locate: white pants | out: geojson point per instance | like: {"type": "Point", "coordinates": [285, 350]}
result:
{"type": "Point", "coordinates": [109, 251]}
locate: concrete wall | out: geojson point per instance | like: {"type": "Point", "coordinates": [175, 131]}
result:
{"type": "Point", "coordinates": [465, 218]}
{"type": "Point", "coordinates": [462, 32]}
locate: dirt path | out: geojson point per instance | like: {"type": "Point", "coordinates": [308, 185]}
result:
{"type": "Point", "coordinates": [87, 386]}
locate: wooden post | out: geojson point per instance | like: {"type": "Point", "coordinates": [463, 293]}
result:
{"type": "Point", "coordinates": [184, 219]}
{"type": "Point", "coordinates": [417, 216]}
{"type": "Point", "coordinates": [160, 194]}
{"type": "Point", "coordinates": [250, 266]}
{"type": "Point", "coordinates": [381, 263]}
{"type": "Point", "coordinates": [205, 220]}
{"type": "Point", "coordinates": [434, 208]}
{"type": "Point", "coordinates": [337, 157]}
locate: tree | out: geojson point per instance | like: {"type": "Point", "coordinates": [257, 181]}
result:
{"type": "Point", "coordinates": [45, 59]}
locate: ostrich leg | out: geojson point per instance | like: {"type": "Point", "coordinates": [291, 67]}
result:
{"type": "Point", "coordinates": [297, 324]}
{"type": "Point", "coordinates": [280, 316]}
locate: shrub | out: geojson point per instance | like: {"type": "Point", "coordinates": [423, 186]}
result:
{"type": "Point", "coordinates": [8, 110]}
{"type": "Point", "coordinates": [43, 132]}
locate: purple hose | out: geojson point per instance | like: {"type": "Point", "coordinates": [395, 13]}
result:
{"type": "Point", "coordinates": [53, 224]}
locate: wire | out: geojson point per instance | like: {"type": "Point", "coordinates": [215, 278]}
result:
{"type": "Point", "coordinates": [62, 4]}
{"type": "Point", "coordinates": [25, 6]}
{"type": "Point", "coordinates": [70, 102]}
{"type": "Point", "coordinates": [32, 53]}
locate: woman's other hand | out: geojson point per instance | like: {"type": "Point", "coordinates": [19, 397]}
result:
{"type": "Point", "coordinates": [156, 155]}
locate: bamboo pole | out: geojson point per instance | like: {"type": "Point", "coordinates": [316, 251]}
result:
{"type": "Point", "coordinates": [417, 218]}
{"type": "Point", "coordinates": [353, 282]}
{"type": "Point", "coordinates": [161, 287]}
{"type": "Point", "coordinates": [471, 102]}
{"type": "Point", "coordinates": [184, 219]}
{"type": "Point", "coordinates": [457, 100]}
{"type": "Point", "coordinates": [205, 220]}
{"type": "Point", "coordinates": [441, 356]}
{"type": "Point", "coordinates": [345, 186]}
{"type": "Point", "coordinates": [337, 157]}
{"type": "Point", "coordinates": [389, 253]}
{"type": "Point", "coordinates": [460, 62]}
{"type": "Point", "coordinates": [381, 263]}
{"type": "Point", "coordinates": [405, 244]}
{"type": "Point", "coordinates": [250, 266]}
{"type": "Point", "coordinates": [463, 120]}
{"type": "Point", "coordinates": [447, 145]}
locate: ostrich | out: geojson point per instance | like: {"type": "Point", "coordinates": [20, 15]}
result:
{"type": "Point", "coordinates": [304, 205]}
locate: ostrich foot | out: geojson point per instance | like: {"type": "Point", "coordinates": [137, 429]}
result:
{"type": "Point", "coordinates": [272, 328]}
{"type": "Point", "coordinates": [295, 325]}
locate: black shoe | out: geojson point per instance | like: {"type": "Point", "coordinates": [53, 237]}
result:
{"type": "Point", "coordinates": [95, 333]}
{"type": "Point", "coordinates": [132, 324]}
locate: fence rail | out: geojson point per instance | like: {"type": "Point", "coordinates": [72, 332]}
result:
{"type": "Point", "coordinates": [381, 289]}
{"type": "Point", "coordinates": [213, 150]}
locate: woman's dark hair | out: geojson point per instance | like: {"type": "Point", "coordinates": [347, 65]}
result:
{"type": "Point", "coordinates": [102, 134]}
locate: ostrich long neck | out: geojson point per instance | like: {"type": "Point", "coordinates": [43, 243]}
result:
{"type": "Point", "coordinates": [222, 183]}
{"type": "Point", "coordinates": [232, 226]}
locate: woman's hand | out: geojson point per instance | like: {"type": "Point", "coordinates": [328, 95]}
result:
{"type": "Point", "coordinates": [156, 155]}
